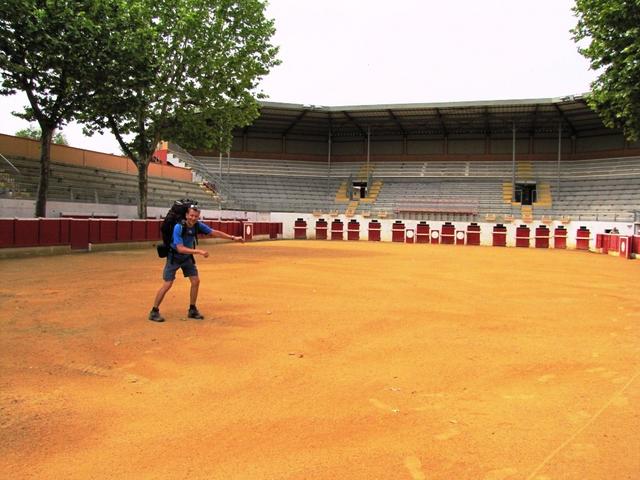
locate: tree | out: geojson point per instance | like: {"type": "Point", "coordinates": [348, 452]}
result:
{"type": "Point", "coordinates": [53, 50]}
{"type": "Point", "coordinates": [192, 70]}
{"type": "Point", "coordinates": [34, 133]}
{"type": "Point", "coordinates": [612, 30]}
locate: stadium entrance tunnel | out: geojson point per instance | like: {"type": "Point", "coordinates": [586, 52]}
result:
{"type": "Point", "coordinates": [359, 190]}
{"type": "Point", "coordinates": [525, 193]}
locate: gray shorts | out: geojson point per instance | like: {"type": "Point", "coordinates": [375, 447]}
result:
{"type": "Point", "coordinates": [187, 265]}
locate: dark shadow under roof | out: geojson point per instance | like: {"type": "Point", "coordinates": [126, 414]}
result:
{"type": "Point", "coordinates": [540, 117]}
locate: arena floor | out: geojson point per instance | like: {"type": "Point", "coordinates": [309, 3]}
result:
{"type": "Point", "coordinates": [323, 360]}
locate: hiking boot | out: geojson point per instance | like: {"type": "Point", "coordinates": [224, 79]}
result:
{"type": "Point", "coordinates": [154, 316]}
{"type": "Point", "coordinates": [194, 313]}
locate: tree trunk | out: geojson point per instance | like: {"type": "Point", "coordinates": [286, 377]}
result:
{"type": "Point", "coordinates": [143, 183]}
{"type": "Point", "coordinates": [45, 167]}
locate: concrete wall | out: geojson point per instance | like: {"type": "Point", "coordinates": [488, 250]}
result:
{"type": "Point", "coordinates": [264, 144]}
{"type": "Point", "coordinates": [317, 146]}
{"type": "Point", "coordinates": [416, 146]}
{"type": "Point", "coordinates": [393, 147]}
{"type": "Point", "coordinates": [25, 208]}
{"type": "Point", "coordinates": [386, 147]}
{"type": "Point", "coordinates": [591, 144]}
{"type": "Point", "coordinates": [27, 148]}
{"type": "Point", "coordinates": [550, 145]}
{"type": "Point", "coordinates": [350, 146]}
{"type": "Point", "coordinates": [505, 145]}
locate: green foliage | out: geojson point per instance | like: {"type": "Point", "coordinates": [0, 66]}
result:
{"type": "Point", "coordinates": [612, 30]}
{"type": "Point", "coordinates": [191, 70]}
{"type": "Point", "coordinates": [188, 74]}
{"type": "Point", "coordinates": [148, 70]}
{"type": "Point", "coordinates": [34, 133]}
{"type": "Point", "coordinates": [50, 50]}
{"type": "Point", "coordinates": [54, 51]}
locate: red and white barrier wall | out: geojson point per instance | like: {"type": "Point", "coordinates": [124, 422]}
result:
{"type": "Point", "coordinates": [79, 233]}
{"type": "Point", "coordinates": [555, 235]}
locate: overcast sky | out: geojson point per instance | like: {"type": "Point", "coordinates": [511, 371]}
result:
{"type": "Point", "coordinates": [359, 52]}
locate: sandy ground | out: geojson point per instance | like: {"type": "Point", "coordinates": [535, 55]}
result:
{"type": "Point", "coordinates": [323, 360]}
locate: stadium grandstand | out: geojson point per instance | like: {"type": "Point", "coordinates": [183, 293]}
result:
{"type": "Point", "coordinates": [508, 161]}
{"type": "Point", "coordinates": [523, 159]}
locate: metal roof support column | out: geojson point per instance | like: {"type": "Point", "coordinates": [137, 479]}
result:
{"type": "Point", "coordinates": [328, 161]}
{"type": "Point", "coordinates": [368, 146]}
{"type": "Point", "coordinates": [559, 156]}
{"type": "Point", "coordinates": [513, 163]}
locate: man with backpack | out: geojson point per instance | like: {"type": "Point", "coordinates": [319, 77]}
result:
{"type": "Point", "coordinates": [180, 253]}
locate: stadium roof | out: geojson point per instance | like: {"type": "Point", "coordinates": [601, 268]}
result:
{"type": "Point", "coordinates": [534, 116]}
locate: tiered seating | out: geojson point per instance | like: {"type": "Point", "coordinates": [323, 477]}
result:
{"type": "Point", "coordinates": [588, 189]}
{"type": "Point", "coordinates": [71, 183]}
{"type": "Point", "coordinates": [285, 194]}
{"type": "Point", "coordinates": [426, 198]}
{"type": "Point", "coordinates": [592, 189]}
{"type": "Point", "coordinates": [595, 199]}
{"type": "Point", "coordinates": [250, 166]}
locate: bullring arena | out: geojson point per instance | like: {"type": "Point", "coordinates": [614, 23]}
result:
{"type": "Point", "coordinates": [448, 297]}
{"type": "Point", "coordinates": [421, 362]}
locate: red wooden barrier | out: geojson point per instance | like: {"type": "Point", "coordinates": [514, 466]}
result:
{"type": "Point", "coordinates": [336, 229]}
{"type": "Point", "coordinates": [560, 237]}
{"type": "Point", "coordinates": [94, 230]}
{"type": "Point", "coordinates": [7, 231]}
{"type": "Point", "coordinates": [123, 230]}
{"type": "Point", "coordinates": [397, 231]}
{"type": "Point", "coordinates": [353, 230]}
{"type": "Point", "coordinates": [138, 230]}
{"type": "Point", "coordinates": [522, 236]}
{"type": "Point", "coordinates": [26, 232]}
{"type": "Point", "coordinates": [153, 230]}
{"type": "Point", "coordinates": [499, 235]}
{"type": "Point", "coordinates": [636, 244]}
{"type": "Point", "coordinates": [473, 234]}
{"type": "Point", "coordinates": [448, 233]}
{"type": "Point", "coordinates": [49, 231]}
{"type": "Point", "coordinates": [300, 229]}
{"type": "Point", "coordinates": [374, 231]}
{"type": "Point", "coordinates": [65, 231]}
{"type": "Point", "coordinates": [422, 232]}
{"type": "Point", "coordinates": [108, 231]}
{"type": "Point", "coordinates": [582, 238]}
{"type": "Point", "coordinates": [79, 232]}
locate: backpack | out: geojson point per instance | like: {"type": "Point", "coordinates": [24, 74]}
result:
{"type": "Point", "coordinates": [176, 214]}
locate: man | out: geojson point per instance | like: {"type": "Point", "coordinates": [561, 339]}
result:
{"type": "Point", "coordinates": [181, 257]}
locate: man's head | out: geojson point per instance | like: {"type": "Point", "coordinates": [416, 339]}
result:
{"type": "Point", "coordinates": [193, 215]}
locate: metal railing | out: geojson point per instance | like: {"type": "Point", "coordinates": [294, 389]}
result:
{"type": "Point", "coordinates": [10, 164]}
{"type": "Point", "coordinates": [222, 188]}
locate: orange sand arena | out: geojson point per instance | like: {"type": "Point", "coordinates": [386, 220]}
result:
{"type": "Point", "coordinates": [323, 360]}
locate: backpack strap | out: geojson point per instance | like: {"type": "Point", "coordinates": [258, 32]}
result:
{"type": "Point", "coordinates": [183, 225]}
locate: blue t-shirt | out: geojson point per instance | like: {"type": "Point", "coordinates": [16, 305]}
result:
{"type": "Point", "coordinates": [188, 240]}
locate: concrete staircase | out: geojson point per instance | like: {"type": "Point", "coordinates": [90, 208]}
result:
{"type": "Point", "coordinates": [373, 193]}
{"type": "Point", "coordinates": [507, 191]}
{"type": "Point", "coordinates": [351, 208]}
{"type": "Point", "coordinates": [543, 192]}
{"type": "Point", "coordinates": [341, 194]}
{"type": "Point", "coordinates": [524, 170]}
